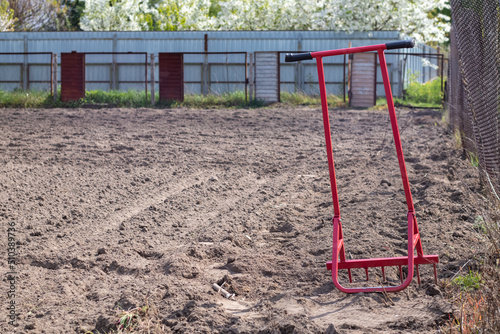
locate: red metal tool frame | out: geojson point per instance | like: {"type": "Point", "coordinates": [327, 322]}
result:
{"type": "Point", "coordinates": [339, 260]}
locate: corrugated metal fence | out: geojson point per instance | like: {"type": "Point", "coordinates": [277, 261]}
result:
{"type": "Point", "coordinates": [221, 72]}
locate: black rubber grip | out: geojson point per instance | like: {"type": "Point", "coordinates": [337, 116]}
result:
{"type": "Point", "coordinates": [400, 44]}
{"type": "Point", "coordinates": [291, 57]}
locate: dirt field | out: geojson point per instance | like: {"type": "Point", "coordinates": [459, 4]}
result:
{"type": "Point", "coordinates": [119, 208]}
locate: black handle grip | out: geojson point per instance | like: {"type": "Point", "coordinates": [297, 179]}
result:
{"type": "Point", "coordinates": [400, 44]}
{"type": "Point", "coordinates": [291, 57]}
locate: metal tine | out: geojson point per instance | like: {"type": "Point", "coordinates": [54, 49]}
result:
{"type": "Point", "coordinates": [350, 277]}
{"type": "Point", "coordinates": [418, 275]}
{"type": "Point", "coordinates": [435, 274]}
{"type": "Point", "coordinates": [366, 271]}
{"type": "Point", "coordinates": [383, 274]}
{"type": "Point", "coordinates": [401, 274]}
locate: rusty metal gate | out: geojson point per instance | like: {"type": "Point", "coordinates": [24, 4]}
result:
{"type": "Point", "coordinates": [171, 74]}
{"type": "Point", "coordinates": [72, 76]}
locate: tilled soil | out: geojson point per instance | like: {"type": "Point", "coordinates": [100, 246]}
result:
{"type": "Point", "coordinates": [116, 209]}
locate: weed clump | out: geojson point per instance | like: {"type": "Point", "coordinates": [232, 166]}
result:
{"type": "Point", "coordinates": [477, 293]}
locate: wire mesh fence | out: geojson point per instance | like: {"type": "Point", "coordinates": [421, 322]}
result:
{"type": "Point", "coordinates": [474, 83]}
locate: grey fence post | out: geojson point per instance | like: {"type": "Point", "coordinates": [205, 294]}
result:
{"type": "Point", "coordinates": [26, 84]}
{"type": "Point", "coordinates": [153, 79]}
{"type": "Point", "coordinates": [299, 69]}
{"type": "Point", "coordinates": [204, 76]}
{"type": "Point", "coordinates": [114, 85]}
{"type": "Point", "coordinates": [251, 79]}
{"type": "Point", "coordinates": [54, 75]}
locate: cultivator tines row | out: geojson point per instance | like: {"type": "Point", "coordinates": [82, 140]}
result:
{"type": "Point", "coordinates": [339, 260]}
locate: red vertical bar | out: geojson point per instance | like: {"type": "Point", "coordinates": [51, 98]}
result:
{"type": "Point", "coordinates": [343, 78]}
{"type": "Point", "coordinates": [375, 83]}
{"type": "Point", "coordinates": [246, 78]}
{"type": "Point", "coordinates": [51, 74]}
{"type": "Point", "coordinates": [395, 130]}
{"type": "Point", "coordinates": [328, 136]}
{"type": "Point", "coordinates": [84, 80]}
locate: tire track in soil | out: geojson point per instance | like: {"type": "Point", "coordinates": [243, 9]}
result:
{"type": "Point", "coordinates": [115, 219]}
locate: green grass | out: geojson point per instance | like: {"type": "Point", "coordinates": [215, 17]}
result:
{"type": "Point", "coordinates": [300, 99]}
{"type": "Point", "coordinates": [138, 99]}
{"type": "Point", "coordinates": [471, 281]}
{"type": "Point", "coordinates": [416, 97]}
{"type": "Point", "coordinates": [227, 100]}
{"type": "Point", "coordinates": [474, 159]}
{"type": "Point", "coordinates": [131, 99]}
{"type": "Point", "coordinates": [25, 99]}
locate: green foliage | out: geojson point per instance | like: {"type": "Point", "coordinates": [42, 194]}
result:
{"type": "Point", "coordinates": [428, 93]}
{"type": "Point", "coordinates": [170, 17]}
{"type": "Point", "coordinates": [471, 281]}
{"type": "Point", "coordinates": [215, 8]}
{"type": "Point", "coordinates": [7, 19]}
{"type": "Point", "coordinates": [74, 12]}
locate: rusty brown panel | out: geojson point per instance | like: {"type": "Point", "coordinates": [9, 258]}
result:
{"type": "Point", "coordinates": [72, 76]}
{"type": "Point", "coordinates": [171, 76]}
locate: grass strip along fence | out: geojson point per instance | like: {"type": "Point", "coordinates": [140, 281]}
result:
{"type": "Point", "coordinates": [129, 99]}
{"type": "Point", "coordinates": [426, 95]}
{"type": "Point", "coordinates": [135, 99]}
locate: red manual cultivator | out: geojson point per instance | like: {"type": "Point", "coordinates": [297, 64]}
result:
{"type": "Point", "coordinates": [339, 260]}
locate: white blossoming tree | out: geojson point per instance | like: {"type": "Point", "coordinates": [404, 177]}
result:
{"type": "Point", "coordinates": [413, 18]}
{"type": "Point", "coordinates": [6, 16]}
{"type": "Point", "coordinates": [273, 15]}
{"type": "Point", "coordinates": [116, 15]}
{"type": "Point", "coordinates": [418, 19]}
{"type": "Point", "coordinates": [184, 15]}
